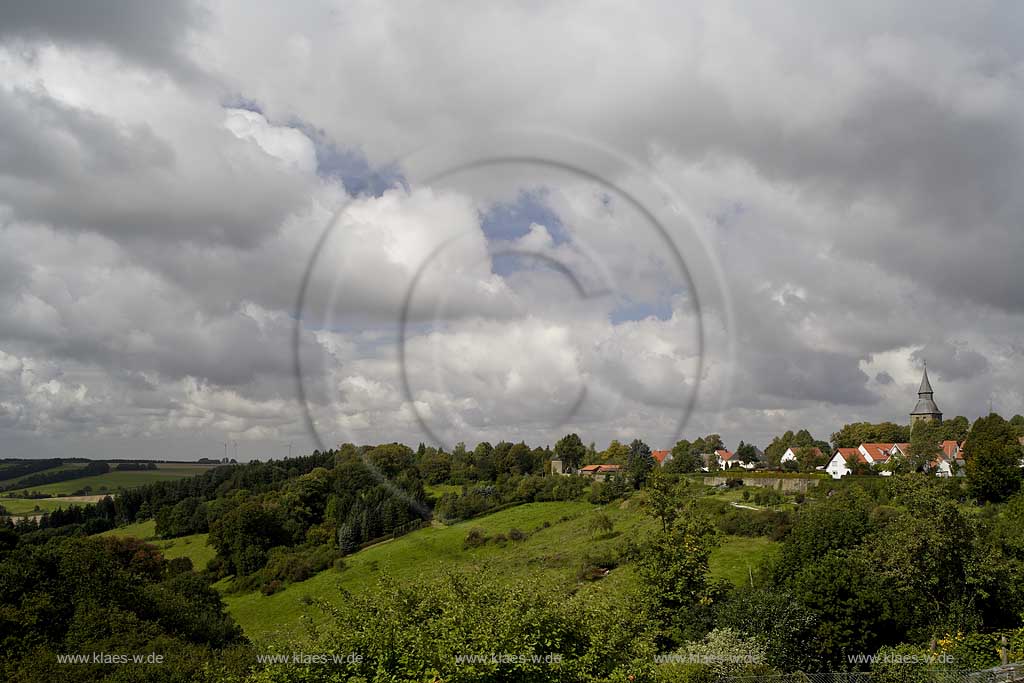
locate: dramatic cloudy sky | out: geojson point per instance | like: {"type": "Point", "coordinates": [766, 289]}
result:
{"type": "Point", "coordinates": [843, 185]}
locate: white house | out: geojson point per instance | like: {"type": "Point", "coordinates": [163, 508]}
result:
{"type": "Point", "coordinates": [878, 454]}
{"type": "Point", "coordinates": [791, 453]}
{"type": "Point", "coordinates": [839, 466]}
{"type": "Point", "coordinates": [726, 459]}
{"type": "Point", "coordinates": [948, 462]}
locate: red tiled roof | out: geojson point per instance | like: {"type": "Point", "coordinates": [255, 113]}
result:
{"type": "Point", "coordinates": [848, 453]}
{"type": "Point", "coordinates": [949, 448]}
{"type": "Point", "coordinates": [724, 454]}
{"type": "Point", "coordinates": [594, 469]}
{"type": "Point", "coordinates": [878, 451]}
{"type": "Point", "coordinates": [659, 456]}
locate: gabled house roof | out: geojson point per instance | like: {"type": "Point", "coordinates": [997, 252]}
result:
{"type": "Point", "coordinates": [878, 452]}
{"type": "Point", "coordinates": [813, 449]}
{"type": "Point", "coordinates": [950, 448]}
{"type": "Point", "coordinates": [851, 453]}
{"type": "Point", "coordinates": [659, 456]}
{"type": "Point", "coordinates": [600, 469]}
{"type": "Point", "coordinates": [724, 454]}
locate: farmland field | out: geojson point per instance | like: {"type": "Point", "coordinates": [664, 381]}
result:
{"type": "Point", "coordinates": [27, 506]}
{"type": "Point", "coordinates": [4, 481]}
{"type": "Point", "coordinates": [117, 480]}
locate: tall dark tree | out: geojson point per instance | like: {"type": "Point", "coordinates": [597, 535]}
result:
{"type": "Point", "coordinates": [992, 455]}
{"type": "Point", "coordinates": [640, 462]}
{"type": "Point", "coordinates": [684, 458]}
{"type": "Point", "coordinates": [570, 450]}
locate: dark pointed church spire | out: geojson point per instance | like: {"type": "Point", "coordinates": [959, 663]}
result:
{"type": "Point", "coordinates": [926, 386]}
{"type": "Point", "coordinates": [925, 410]}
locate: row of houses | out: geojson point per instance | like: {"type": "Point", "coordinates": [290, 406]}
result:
{"type": "Point", "coordinates": [870, 457]}
{"type": "Point", "coordinates": [947, 462]}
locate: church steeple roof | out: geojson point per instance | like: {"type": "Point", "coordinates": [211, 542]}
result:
{"type": "Point", "coordinates": [925, 403]}
{"type": "Point", "coordinates": [926, 386]}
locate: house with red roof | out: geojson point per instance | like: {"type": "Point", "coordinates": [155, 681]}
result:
{"type": "Point", "coordinates": [600, 472]}
{"type": "Point", "coordinates": [843, 460]}
{"type": "Point", "coordinates": [726, 459]}
{"type": "Point", "coordinates": [662, 457]}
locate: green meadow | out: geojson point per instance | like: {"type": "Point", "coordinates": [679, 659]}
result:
{"type": "Point", "coordinates": [553, 554]}
{"type": "Point", "coordinates": [193, 547]}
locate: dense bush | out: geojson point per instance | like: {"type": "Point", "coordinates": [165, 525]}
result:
{"type": "Point", "coordinates": [484, 498]}
{"type": "Point", "coordinates": [740, 522]}
{"type": "Point", "coordinates": [418, 632]}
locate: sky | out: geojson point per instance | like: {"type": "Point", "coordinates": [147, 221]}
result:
{"type": "Point", "coordinates": [257, 228]}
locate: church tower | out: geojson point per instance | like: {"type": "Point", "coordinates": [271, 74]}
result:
{"type": "Point", "coordinates": [925, 410]}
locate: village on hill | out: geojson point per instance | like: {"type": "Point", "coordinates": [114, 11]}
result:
{"type": "Point", "coordinates": [931, 446]}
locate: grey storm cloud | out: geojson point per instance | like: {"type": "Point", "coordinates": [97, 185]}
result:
{"type": "Point", "coordinates": [951, 362]}
{"type": "Point", "coordinates": [81, 170]}
{"type": "Point", "coordinates": [854, 169]}
{"type": "Point", "coordinates": [147, 33]}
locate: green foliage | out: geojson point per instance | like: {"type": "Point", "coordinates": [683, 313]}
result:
{"type": "Point", "coordinates": [992, 455]}
{"type": "Point", "coordinates": [615, 454]}
{"type": "Point", "coordinates": [664, 495]}
{"type": "Point", "coordinates": [780, 444]}
{"type": "Point", "coordinates": [903, 664]}
{"type": "Point", "coordinates": [613, 488]}
{"type": "Point", "coordinates": [740, 522]}
{"type": "Point", "coordinates": [483, 498]}
{"type": "Point", "coordinates": [244, 535]}
{"type": "Point", "coordinates": [422, 631]}
{"type": "Point", "coordinates": [725, 652]}
{"type": "Point", "coordinates": [435, 465]}
{"type": "Point", "coordinates": [601, 523]}
{"type": "Point", "coordinates": [570, 450]}
{"type": "Point", "coordinates": [856, 433]}
{"type": "Point", "coordinates": [188, 516]}
{"type": "Point", "coordinates": [746, 452]}
{"type": "Point", "coordinates": [639, 463]}
{"type": "Point", "coordinates": [106, 595]}
{"type": "Point", "coordinates": [778, 620]}
{"type": "Point", "coordinates": [673, 568]}
{"type": "Point", "coordinates": [836, 522]}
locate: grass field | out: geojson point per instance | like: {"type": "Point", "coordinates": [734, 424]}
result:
{"type": "Point", "coordinates": [60, 468]}
{"type": "Point", "coordinates": [27, 506]}
{"type": "Point", "coordinates": [438, 490]}
{"type": "Point", "coordinates": [738, 556]}
{"type": "Point", "coordinates": [193, 547]}
{"type": "Point", "coordinates": [551, 554]}
{"type": "Point", "coordinates": [114, 481]}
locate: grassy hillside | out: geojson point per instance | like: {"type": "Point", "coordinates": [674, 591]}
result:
{"type": "Point", "coordinates": [114, 480]}
{"type": "Point", "coordinates": [5, 481]}
{"type": "Point", "coordinates": [553, 554]}
{"type": "Point", "coordinates": [27, 506]}
{"type": "Point", "coordinates": [193, 547]}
